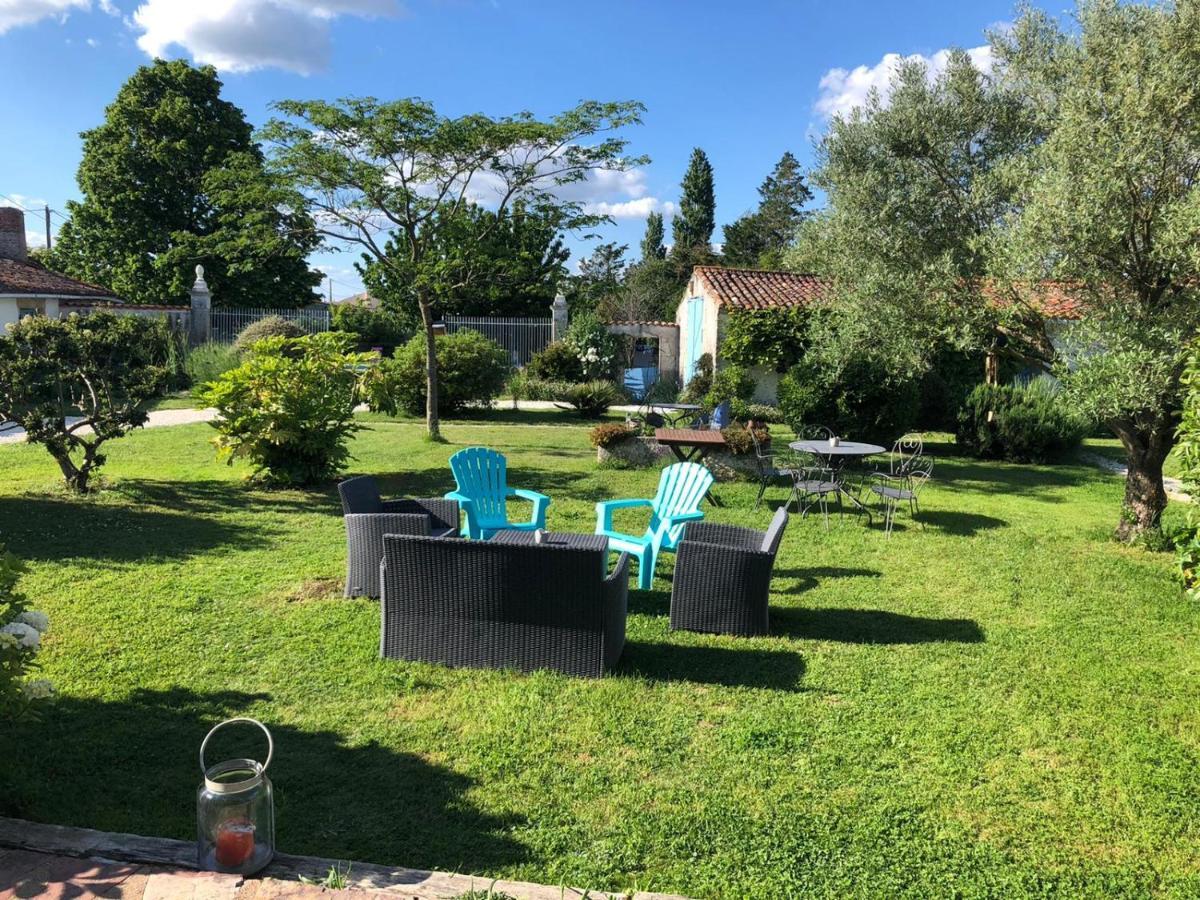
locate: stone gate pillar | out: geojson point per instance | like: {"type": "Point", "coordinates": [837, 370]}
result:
{"type": "Point", "coordinates": [558, 318]}
{"type": "Point", "coordinates": [201, 324]}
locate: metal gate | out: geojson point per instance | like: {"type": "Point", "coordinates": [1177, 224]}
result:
{"type": "Point", "coordinates": [520, 338]}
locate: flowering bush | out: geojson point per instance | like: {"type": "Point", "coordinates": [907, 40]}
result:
{"type": "Point", "coordinates": [595, 348]}
{"type": "Point", "coordinates": [610, 434]}
{"type": "Point", "coordinates": [21, 631]}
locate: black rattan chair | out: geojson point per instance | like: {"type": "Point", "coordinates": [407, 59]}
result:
{"type": "Point", "coordinates": [369, 517]}
{"type": "Point", "coordinates": [492, 605]}
{"type": "Point", "coordinates": [723, 577]}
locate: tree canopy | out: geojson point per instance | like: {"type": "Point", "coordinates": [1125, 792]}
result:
{"type": "Point", "coordinates": [398, 181]}
{"type": "Point", "coordinates": [652, 241]}
{"type": "Point", "coordinates": [759, 238]}
{"type": "Point", "coordinates": [173, 178]}
{"type": "Point", "coordinates": [962, 207]}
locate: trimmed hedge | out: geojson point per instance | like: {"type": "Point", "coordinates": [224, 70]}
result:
{"type": "Point", "coordinates": [471, 369]}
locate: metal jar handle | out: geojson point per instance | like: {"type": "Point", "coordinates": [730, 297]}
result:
{"type": "Point", "coordinates": [240, 719]}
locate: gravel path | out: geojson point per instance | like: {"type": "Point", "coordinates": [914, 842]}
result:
{"type": "Point", "coordinates": [10, 434]}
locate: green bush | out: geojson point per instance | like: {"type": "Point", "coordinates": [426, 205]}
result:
{"type": "Point", "coordinates": [665, 390]}
{"type": "Point", "coordinates": [558, 361]}
{"type": "Point", "coordinates": [289, 408]}
{"type": "Point", "coordinates": [21, 631]}
{"type": "Point", "coordinates": [592, 398]}
{"type": "Point", "coordinates": [740, 442]}
{"type": "Point", "coordinates": [471, 369]}
{"type": "Point", "coordinates": [763, 412]}
{"type": "Point", "coordinates": [1020, 423]}
{"type": "Point", "coordinates": [701, 381]}
{"type": "Point", "coordinates": [271, 326]}
{"type": "Point", "coordinates": [861, 402]}
{"type": "Point", "coordinates": [97, 372]}
{"type": "Point", "coordinates": [609, 434]}
{"type": "Point", "coordinates": [1186, 537]}
{"type": "Point", "coordinates": [597, 350]}
{"type": "Point", "coordinates": [373, 328]}
{"type": "Point", "coordinates": [772, 338]}
{"type": "Point", "coordinates": [733, 385]}
{"type": "Point", "coordinates": [209, 362]}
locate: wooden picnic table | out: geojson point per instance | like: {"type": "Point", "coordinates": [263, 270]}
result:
{"type": "Point", "coordinates": [691, 445]}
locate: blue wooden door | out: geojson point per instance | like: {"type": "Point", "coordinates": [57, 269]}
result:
{"type": "Point", "coordinates": [694, 329]}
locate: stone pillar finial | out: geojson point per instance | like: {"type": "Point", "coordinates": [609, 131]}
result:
{"type": "Point", "coordinates": [558, 317]}
{"type": "Point", "coordinates": [201, 318]}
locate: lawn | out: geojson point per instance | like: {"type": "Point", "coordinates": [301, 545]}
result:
{"type": "Point", "coordinates": [1002, 704]}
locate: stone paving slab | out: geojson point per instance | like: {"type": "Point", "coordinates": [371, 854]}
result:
{"type": "Point", "coordinates": [81, 864]}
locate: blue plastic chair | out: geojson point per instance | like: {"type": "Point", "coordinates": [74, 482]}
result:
{"type": "Point", "coordinates": [720, 416]}
{"type": "Point", "coordinates": [680, 490]}
{"type": "Point", "coordinates": [482, 478]}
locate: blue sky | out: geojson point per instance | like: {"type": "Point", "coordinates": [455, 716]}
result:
{"type": "Point", "coordinates": [745, 81]}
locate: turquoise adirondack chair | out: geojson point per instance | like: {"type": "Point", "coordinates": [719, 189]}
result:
{"type": "Point", "coordinates": [483, 491]}
{"type": "Point", "coordinates": [680, 490]}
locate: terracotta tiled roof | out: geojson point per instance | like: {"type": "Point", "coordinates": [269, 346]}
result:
{"type": "Point", "coordinates": [759, 289]}
{"type": "Point", "coordinates": [31, 279]}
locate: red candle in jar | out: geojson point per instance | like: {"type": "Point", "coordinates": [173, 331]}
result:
{"type": "Point", "coordinates": [235, 843]}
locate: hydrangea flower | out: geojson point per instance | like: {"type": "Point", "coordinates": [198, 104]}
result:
{"type": "Point", "coordinates": [38, 621]}
{"type": "Point", "coordinates": [26, 635]}
{"type": "Point", "coordinates": [38, 689]}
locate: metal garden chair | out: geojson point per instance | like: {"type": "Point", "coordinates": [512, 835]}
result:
{"type": "Point", "coordinates": [768, 472]}
{"type": "Point", "coordinates": [812, 483]}
{"type": "Point", "coordinates": [894, 490]}
{"type": "Point", "coordinates": [482, 479]}
{"type": "Point", "coordinates": [680, 489]}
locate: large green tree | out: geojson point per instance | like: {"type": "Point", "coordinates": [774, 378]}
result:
{"type": "Point", "coordinates": [173, 178]}
{"type": "Point", "coordinates": [652, 241]}
{"type": "Point", "coordinates": [693, 224]}
{"type": "Point", "coordinates": [964, 209]}
{"type": "Point", "coordinates": [398, 180]}
{"type": "Point", "coordinates": [600, 276]}
{"type": "Point", "coordinates": [759, 238]}
{"type": "Point", "coordinates": [518, 266]}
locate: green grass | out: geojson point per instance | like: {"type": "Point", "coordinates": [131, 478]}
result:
{"type": "Point", "coordinates": [1003, 704]}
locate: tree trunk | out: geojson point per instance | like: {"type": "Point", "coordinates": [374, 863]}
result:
{"type": "Point", "coordinates": [1146, 448]}
{"type": "Point", "coordinates": [76, 477]}
{"type": "Point", "coordinates": [432, 424]}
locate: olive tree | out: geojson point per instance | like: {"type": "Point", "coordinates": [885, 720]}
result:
{"type": "Point", "coordinates": [72, 384]}
{"type": "Point", "coordinates": [964, 208]}
{"type": "Point", "coordinates": [398, 180]}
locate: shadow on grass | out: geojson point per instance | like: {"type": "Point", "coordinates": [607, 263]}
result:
{"type": "Point", "coordinates": [437, 482]}
{"type": "Point", "coordinates": [729, 666]}
{"type": "Point", "coordinates": [966, 475]}
{"type": "Point", "coordinates": [809, 578]}
{"type": "Point", "coordinates": [965, 524]}
{"type": "Point", "coordinates": [59, 528]}
{"type": "Point", "coordinates": [870, 626]}
{"type": "Point", "coordinates": [225, 496]}
{"type": "Point", "coordinates": [131, 766]}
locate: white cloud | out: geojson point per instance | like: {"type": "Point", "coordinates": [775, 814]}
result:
{"type": "Point", "coordinates": [244, 35]}
{"type": "Point", "coordinates": [92, 42]}
{"type": "Point", "coordinates": [842, 89]}
{"type": "Point", "coordinates": [14, 13]}
{"type": "Point", "coordinates": [631, 209]}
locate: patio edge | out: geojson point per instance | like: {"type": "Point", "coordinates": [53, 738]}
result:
{"type": "Point", "coordinates": [418, 884]}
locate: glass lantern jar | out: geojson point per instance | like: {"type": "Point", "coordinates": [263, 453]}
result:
{"type": "Point", "coordinates": [235, 811]}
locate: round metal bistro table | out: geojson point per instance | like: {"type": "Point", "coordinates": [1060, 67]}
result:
{"type": "Point", "coordinates": [836, 458]}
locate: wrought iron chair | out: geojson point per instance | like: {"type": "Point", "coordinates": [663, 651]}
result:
{"type": "Point", "coordinates": [768, 471]}
{"type": "Point", "coordinates": [812, 483]}
{"type": "Point", "coordinates": [893, 490]}
{"type": "Point", "coordinates": [906, 452]}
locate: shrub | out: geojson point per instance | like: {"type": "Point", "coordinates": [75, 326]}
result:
{"type": "Point", "coordinates": [21, 631]}
{"type": "Point", "coordinates": [862, 401]}
{"type": "Point", "coordinates": [608, 434]}
{"type": "Point", "coordinates": [373, 328]}
{"type": "Point", "coordinates": [471, 369]}
{"type": "Point", "coordinates": [665, 390]}
{"type": "Point", "coordinates": [701, 382]}
{"type": "Point", "coordinates": [772, 338]}
{"type": "Point", "coordinates": [208, 362]}
{"type": "Point", "coordinates": [271, 326]}
{"type": "Point", "coordinates": [1186, 538]}
{"type": "Point", "coordinates": [597, 350]}
{"type": "Point", "coordinates": [523, 386]}
{"type": "Point", "coordinates": [98, 369]}
{"type": "Point", "coordinates": [558, 361]}
{"type": "Point", "coordinates": [763, 412]}
{"type": "Point", "coordinates": [731, 384]}
{"type": "Point", "coordinates": [739, 442]}
{"type": "Point", "coordinates": [1028, 423]}
{"type": "Point", "coordinates": [592, 398]}
{"type": "Point", "coordinates": [289, 408]}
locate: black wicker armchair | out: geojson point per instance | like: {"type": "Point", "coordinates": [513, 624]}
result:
{"type": "Point", "coordinates": [487, 604]}
{"type": "Point", "coordinates": [369, 517]}
{"type": "Point", "coordinates": [723, 577]}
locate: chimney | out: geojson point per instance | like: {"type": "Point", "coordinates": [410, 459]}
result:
{"type": "Point", "coordinates": [12, 234]}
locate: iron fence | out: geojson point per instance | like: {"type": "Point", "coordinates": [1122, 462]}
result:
{"type": "Point", "coordinates": [520, 338]}
{"type": "Point", "coordinates": [226, 323]}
